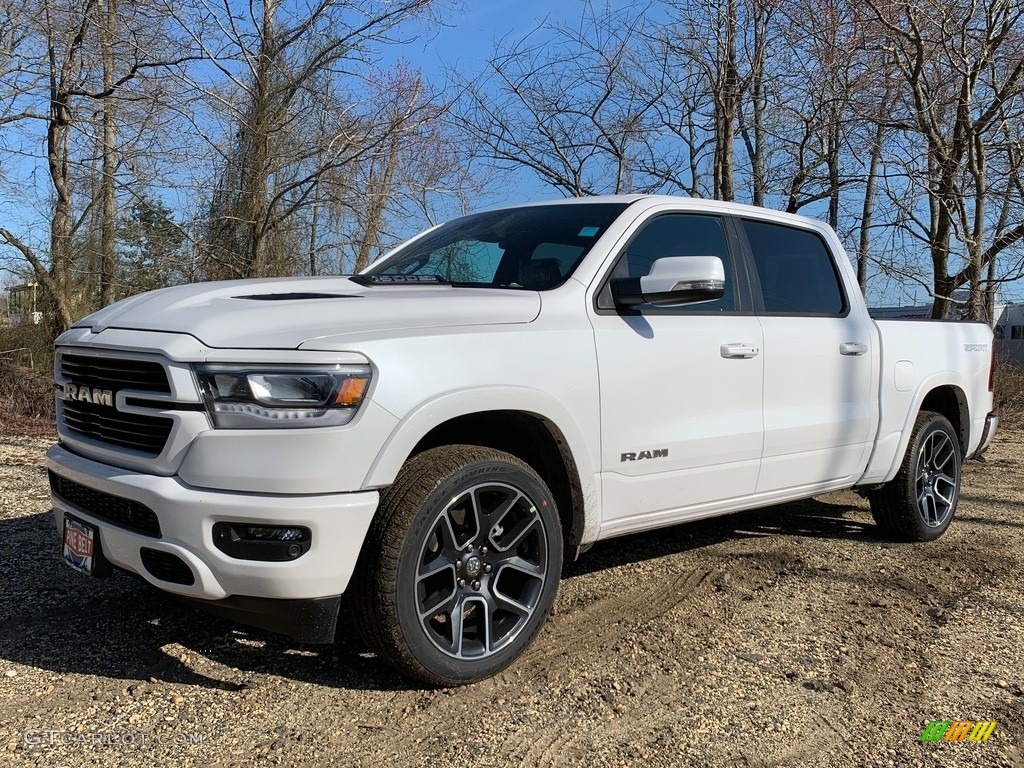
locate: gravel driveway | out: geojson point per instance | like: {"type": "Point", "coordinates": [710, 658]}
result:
{"type": "Point", "coordinates": [789, 636]}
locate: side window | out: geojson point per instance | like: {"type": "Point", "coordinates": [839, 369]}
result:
{"type": "Point", "coordinates": [796, 272]}
{"type": "Point", "coordinates": [676, 234]}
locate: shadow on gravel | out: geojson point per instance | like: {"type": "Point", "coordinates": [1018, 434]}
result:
{"type": "Point", "coordinates": [989, 521]}
{"type": "Point", "coordinates": [55, 619]}
{"type": "Point", "coordinates": [806, 519]}
{"type": "Point", "coordinates": [990, 500]}
{"type": "Point", "coordinates": [52, 618]}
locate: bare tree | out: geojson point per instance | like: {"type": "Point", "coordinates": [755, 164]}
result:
{"type": "Point", "coordinates": [727, 91]}
{"type": "Point", "coordinates": [961, 63]}
{"type": "Point", "coordinates": [681, 140]}
{"type": "Point", "coordinates": [69, 62]}
{"type": "Point", "coordinates": [269, 177]}
{"type": "Point", "coordinates": [727, 54]}
{"type": "Point", "coordinates": [63, 33]}
{"type": "Point", "coordinates": [876, 142]}
{"type": "Point", "coordinates": [383, 165]}
{"type": "Point", "coordinates": [568, 105]}
{"type": "Point", "coordinates": [414, 169]}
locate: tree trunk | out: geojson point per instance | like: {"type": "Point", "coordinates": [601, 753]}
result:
{"type": "Point", "coordinates": [254, 213]}
{"type": "Point", "coordinates": [313, 234]}
{"type": "Point", "coordinates": [757, 97]}
{"type": "Point", "coordinates": [990, 294]}
{"type": "Point", "coordinates": [726, 106]}
{"type": "Point", "coordinates": [832, 163]}
{"type": "Point", "coordinates": [975, 246]}
{"type": "Point", "coordinates": [870, 188]}
{"type": "Point", "coordinates": [379, 196]}
{"type": "Point", "coordinates": [60, 222]}
{"type": "Point", "coordinates": [108, 245]}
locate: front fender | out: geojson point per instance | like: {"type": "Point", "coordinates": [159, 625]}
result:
{"type": "Point", "coordinates": [431, 413]}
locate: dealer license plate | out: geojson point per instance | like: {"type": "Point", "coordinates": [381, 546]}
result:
{"type": "Point", "coordinates": [80, 545]}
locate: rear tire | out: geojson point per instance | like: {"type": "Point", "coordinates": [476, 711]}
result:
{"type": "Point", "coordinates": [919, 503]}
{"type": "Point", "coordinates": [460, 565]}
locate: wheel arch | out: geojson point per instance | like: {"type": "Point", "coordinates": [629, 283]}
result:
{"type": "Point", "coordinates": [530, 426]}
{"type": "Point", "coordinates": [940, 395]}
{"type": "Point", "coordinates": [950, 401]}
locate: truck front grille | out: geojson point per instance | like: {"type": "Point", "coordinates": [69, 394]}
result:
{"type": "Point", "coordinates": [124, 513]}
{"type": "Point", "coordinates": [115, 373]}
{"type": "Point", "coordinates": [103, 422]}
{"type": "Point", "coordinates": [128, 430]}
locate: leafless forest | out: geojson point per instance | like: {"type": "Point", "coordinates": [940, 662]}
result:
{"type": "Point", "coordinates": [146, 142]}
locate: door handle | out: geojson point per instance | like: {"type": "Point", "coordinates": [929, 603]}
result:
{"type": "Point", "coordinates": [853, 348]}
{"type": "Point", "coordinates": [740, 350]}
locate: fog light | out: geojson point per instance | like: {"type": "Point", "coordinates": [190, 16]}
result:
{"type": "Point", "coordinates": [269, 543]}
{"type": "Point", "coordinates": [274, 534]}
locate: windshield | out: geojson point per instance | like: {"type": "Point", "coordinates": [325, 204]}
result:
{"type": "Point", "coordinates": [535, 247]}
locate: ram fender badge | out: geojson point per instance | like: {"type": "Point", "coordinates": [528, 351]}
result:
{"type": "Point", "coordinates": [657, 453]}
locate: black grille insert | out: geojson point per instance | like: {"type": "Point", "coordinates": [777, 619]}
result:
{"type": "Point", "coordinates": [114, 373]}
{"type": "Point", "coordinates": [124, 513]}
{"type": "Point", "coordinates": [167, 567]}
{"type": "Point", "coordinates": [128, 430]}
{"type": "Point", "coordinates": [105, 423]}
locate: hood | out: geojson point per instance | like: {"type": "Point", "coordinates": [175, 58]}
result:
{"type": "Point", "coordinates": [284, 313]}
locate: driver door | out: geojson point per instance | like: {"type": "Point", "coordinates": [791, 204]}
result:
{"type": "Point", "coordinates": [681, 387]}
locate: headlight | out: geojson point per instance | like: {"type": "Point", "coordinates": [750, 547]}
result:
{"type": "Point", "coordinates": [262, 397]}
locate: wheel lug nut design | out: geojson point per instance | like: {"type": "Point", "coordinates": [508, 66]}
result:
{"type": "Point", "coordinates": [476, 585]}
{"type": "Point", "coordinates": [462, 582]}
{"type": "Point", "coordinates": [488, 568]}
{"type": "Point", "coordinates": [483, 550]}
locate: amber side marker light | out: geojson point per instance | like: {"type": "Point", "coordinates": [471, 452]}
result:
{"type": "Point", "coordinates": [351, 391]}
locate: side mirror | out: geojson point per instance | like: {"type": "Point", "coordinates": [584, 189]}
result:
{"type": "Point", "coordinates": [673, 281]}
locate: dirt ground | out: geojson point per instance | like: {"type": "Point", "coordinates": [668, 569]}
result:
{"type": "Point", "coordinates": [785, 637]}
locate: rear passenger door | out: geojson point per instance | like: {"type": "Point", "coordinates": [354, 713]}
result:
{"type": "Point", "coordinates": [819, 399]}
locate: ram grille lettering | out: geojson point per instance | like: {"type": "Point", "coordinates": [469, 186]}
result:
{"type": "Point", "coordinates": [657, 453]}
{"type": "Point", "coordinates": [94, 395]}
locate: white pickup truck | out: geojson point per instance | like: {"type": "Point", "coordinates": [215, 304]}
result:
{"type": "Point", "coordinates": [432, 438]}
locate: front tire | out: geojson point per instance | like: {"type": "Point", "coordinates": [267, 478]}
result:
{"type": "Point", "coordinates": [460, 566]}
{"type": "Point", "coordinates": [919, 503]}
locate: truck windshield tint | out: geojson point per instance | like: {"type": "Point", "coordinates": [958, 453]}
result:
{"type": "Point", "coordinates": [533, 248]}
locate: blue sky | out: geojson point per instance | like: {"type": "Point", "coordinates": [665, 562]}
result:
{"type": "Point", "coordinates": [462, 39]}
{"type": "Point", "coordinates": [466, 40]}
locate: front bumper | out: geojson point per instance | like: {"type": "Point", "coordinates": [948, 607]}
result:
{"type": "Point", "coordinates": [987, 435]}
{"type": "Point", "coordinates": [338, 523]}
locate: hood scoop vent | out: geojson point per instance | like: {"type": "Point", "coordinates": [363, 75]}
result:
{"type": "Point", "coordinates": [399, 280]}
{"type": "Point", "coordinates": [297, 296]}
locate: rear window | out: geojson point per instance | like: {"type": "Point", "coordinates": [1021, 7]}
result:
{"type": "Point", "coordinates": [796, 272]}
